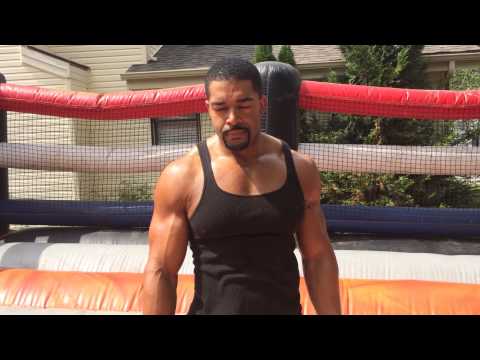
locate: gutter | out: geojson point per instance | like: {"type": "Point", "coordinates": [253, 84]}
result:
{"type": "Point", "coordinates": [164, 74]}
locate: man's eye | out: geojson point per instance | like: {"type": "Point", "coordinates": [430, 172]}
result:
{"type": "Point", "coordinates": [220, 109]}
{"type": "Point", "coordinates": [244, 107]}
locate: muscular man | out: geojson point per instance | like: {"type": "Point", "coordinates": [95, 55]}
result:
{"type": "Point", "coordinates": [238, 198]}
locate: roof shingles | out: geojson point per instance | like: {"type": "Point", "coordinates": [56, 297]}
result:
{"type": "Point", "coordinates": [175, 57]}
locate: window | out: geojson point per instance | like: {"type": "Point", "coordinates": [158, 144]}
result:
{"type": "Point", "coordinates": [176, 130]}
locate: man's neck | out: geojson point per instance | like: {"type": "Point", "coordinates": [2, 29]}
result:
{"type": "Point", "coordinates": [244, 157]}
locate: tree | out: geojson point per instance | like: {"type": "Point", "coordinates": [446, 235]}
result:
{"type": "Point", "coordinates": [264, 53]}
{"type": "Point", "coordinates": [467, 79]}
{"type": "Point", "coordinates": [381, 65]}
{"type": "Point", "coordinates": [286, 55]}
{"type": "Point", "coordinates": [388, 66]}
{"type": "Point", "coordinates": [468, 131]}
{"type": "Point", "coordinates": [385, 65]}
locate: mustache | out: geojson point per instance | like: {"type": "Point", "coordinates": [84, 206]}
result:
{"type": "Point", "coordinates": [226, 129]}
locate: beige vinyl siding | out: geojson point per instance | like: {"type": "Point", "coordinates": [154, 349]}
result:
{"type": "Point", "coordinates": [41, 80]}
{"type": "Point", "coordinates": [164, 83]}
{"type": "Point", "coordinates": [8, 65]}
{"type": "Point", "coordinates": [37, 129]}
{"type": "Point", "coordinates": [16, 70]}
{"type": "Point", "coordinates": [8, 49]}
{"type": "Point", "coordinates": [116, 134]}
{"type": "Point", "coordinates": [44, 185]}
{"type": "Point", "coordinates": [34, 129]}
{"type": "Point", "coordinates": [79, 74]}
{"type": "Point", "coordinates": [107, 63]}
{"type": "Point", "coordinates": [9, 60]}
{"type": "Point", "coordinates": [71, 49]}
{"type": "Point", "coordinates": [151, 50]}
{"type": "Point", "coordinates": [40, 129]}
{"type": "Point", "coordinates": [43, 47]}
{"type": "Point", "coordinates": [104, 55]}
{"type": "Point", "coordinates": [30, 76]}
{"type": "Point", "coordinates": [78, 85]}
{"type": "Point", "coordinates": [9, 57]}
{"type": "Point", "coordinates": [51, 185]}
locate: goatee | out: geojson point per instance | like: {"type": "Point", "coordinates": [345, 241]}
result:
{"type": "Point", "coordinates": [237, 146]}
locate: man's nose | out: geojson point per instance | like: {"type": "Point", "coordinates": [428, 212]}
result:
{"type": "Point", "coordinates": [232, 118]}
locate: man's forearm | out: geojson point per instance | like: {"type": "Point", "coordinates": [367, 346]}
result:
{"type": "Point", "coordinates": [159, 294]}
{"type": "Point", "coordinates": [321, 277]}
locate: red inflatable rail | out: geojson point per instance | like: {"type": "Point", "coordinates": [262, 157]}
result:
{"type": "Point", "coordinates": [113, 106]}
{"type": "Point", "coordinates": [321, 96]}
{"type": "Point", "coordinates": [390, 102]}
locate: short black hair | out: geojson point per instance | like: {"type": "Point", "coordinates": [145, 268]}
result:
{"type": "Point", "coordinates": [234, 69]}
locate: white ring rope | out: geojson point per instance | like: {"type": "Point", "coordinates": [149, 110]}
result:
{"type": "Point", "coordinates": [89, 158]}
{"type": "Point", "coordinates": [430, 160]}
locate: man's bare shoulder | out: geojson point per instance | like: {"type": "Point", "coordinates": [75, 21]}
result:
{"type": "Point", "coordinates": [305, 166]}
{"type": "Point", "coordinates": [183, 166]}
{"type": "Point", "coordinates": [304, 163]}
{"type": "Point", "coordinates": [308, 175]}
{"type": "Point", "coordinates": [178, 175]}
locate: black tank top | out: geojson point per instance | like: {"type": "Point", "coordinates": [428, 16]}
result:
{"type": "Point", "coordinates": [243, 247]}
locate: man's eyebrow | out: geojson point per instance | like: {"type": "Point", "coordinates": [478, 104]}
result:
{"type": "Point", "coordinates": [245, 99]}
{"type": "Point", "coordinates": [241, 100]}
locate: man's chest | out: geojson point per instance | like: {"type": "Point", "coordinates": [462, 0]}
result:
{"type": "Point", "coordinates": [259, 178]}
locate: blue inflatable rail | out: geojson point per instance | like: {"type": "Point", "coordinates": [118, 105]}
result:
{"type": "Point", "coordinates": [340, 219]}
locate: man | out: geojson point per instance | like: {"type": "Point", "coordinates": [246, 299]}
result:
{"type": "Point", "coordinates": [238, 198]}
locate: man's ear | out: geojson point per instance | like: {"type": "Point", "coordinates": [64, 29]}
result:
{"type": "Point", "coordinates": [206, 104]}
{"type": "Point", "coordinates": [263, 103]}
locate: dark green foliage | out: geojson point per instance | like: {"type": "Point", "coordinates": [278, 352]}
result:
{"type": "Point", "coordinates": [264, 53]}
{"type": "Point", "coordinates": [385, 65]}
{"type": "Point", "coordinates": [368, 189]}
{"type": "Point", "coordinates": [467, 79]}
{"type": "Point", "coordinates": [388, 66]}
{"type": "Point", "coordinates": [286, 55]}
{"type": "Point", "coordinates": [131, 191]}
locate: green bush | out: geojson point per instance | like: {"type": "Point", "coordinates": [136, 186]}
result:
{"type": "Point", "coordinates": [130, 191]}
{"type": "Point", "coordinates": [286, 55]}
{"type": "Point", "coordinates": [264, 53]}
{"type": "Point", "coordinates": [392, 66]}
{"type": "Point", "coordinates": [467, 79]}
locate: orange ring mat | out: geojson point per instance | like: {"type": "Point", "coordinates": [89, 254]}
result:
{"type": "Point", "coordinates": [122, 292]}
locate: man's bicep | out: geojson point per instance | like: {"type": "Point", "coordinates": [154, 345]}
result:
{"type": "Point", "coordinates": [312, 236]}
{"type": "Point", "coordinates": [168, 232]}
{"type": "Point", "coordinates": [168, 240]}
{"type": "Point", "coordinates": [312, 231]}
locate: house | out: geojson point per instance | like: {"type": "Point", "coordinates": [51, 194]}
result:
{"type": "Point", "coordinates": [179, 65]}
{"type": "Point", "coordinates": [92, 68]}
